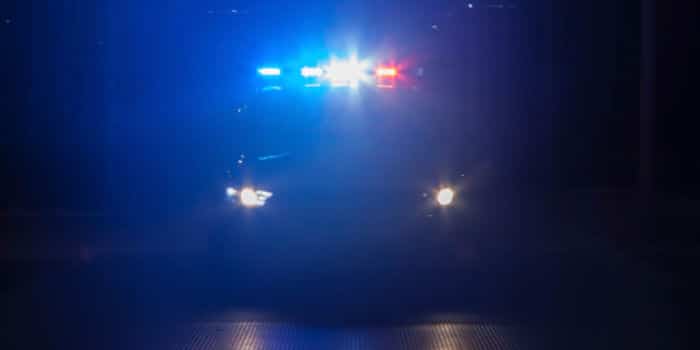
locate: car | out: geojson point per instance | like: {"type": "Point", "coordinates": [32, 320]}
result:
{"type": "Point", "coordinates": [362, 170]}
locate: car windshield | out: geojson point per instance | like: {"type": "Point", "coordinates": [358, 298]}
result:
{"type": "Point", "coordinates": [447, 174]}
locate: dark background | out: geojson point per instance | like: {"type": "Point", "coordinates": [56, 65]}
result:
{"type": "Point", "coordinates": [114, 113]}
{"type": "Point", "coordinates": [107, 104]}
{"type": "Point", "coordinates": [67, 66]}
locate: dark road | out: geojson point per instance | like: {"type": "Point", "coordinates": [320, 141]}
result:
{"type": "Point", "coordinates": [603, 300]}
{"type": "Point", "coordinates": [143, 306]}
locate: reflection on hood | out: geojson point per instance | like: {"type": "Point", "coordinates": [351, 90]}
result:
{"type": "Point", "coordinates": [273, 156]}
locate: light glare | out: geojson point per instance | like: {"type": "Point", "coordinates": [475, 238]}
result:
{"type": "Point", "coordinates": [308, 72]}
{"type": "Point", "coordinates": [269, 71]}
{"type": "Point", "coordinates": [249, 198]}
{"type": "Point", "coordinates": [445, 196]}
{"type": "Point", "coordinates": [386, 72]}
{"type": "Point", "coordinates": [346, 72]}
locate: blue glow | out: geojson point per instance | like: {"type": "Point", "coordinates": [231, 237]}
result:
{"type": "Point", "coordinates": [308, 72]}
{"type": "Point", "coordinates": [269, 71]}
{"type": "Point", "coordinates": [272, 88]}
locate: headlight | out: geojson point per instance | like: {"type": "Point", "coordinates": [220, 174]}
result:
{"type": "Point", "coordinates": [445, 196]}
{"type": "Point", "coordinates": [249, 197]}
